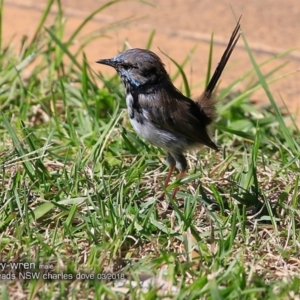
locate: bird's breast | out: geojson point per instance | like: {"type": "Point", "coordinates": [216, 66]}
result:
{"type": "Point", "coordinates": [170, 141]}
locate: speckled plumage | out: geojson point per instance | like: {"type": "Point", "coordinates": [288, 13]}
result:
{"type": "Point", "coordinates": [159, 112]}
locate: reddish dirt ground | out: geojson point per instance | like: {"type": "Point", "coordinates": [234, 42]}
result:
{"type": "Point", "coordinates": [270, 26]}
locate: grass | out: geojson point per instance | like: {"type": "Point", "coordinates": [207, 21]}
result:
{"type": "Point", "coordinates": [79, 189]}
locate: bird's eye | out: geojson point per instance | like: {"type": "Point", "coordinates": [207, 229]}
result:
{"type": "Point", "coordinates": [126, 67]}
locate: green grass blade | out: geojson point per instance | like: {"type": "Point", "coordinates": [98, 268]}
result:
{"type": "Point", "coordinates": [209, 63]}
{"type": "Point", "coordinates": [1, 20]}
{"type": "Point", "coordinates": [41, 24]}
{"type": "Point", "coordinates": [150, 39]}
{"type": "Point", "coordinates": [88, 18]}
{"type": "Point", "coordinates": [184, 78]}
{"type": "Point", "coordinates": [19, 149]}
{"type": "Point", "coordinates": [283, 128]}
{"type": "Point", "coordinates": [64, 47]}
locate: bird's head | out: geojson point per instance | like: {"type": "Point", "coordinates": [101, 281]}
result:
{"type": "Point", "coordinates": [137, 67]}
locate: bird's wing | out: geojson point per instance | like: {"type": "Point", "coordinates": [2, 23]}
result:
{"type": "Point", "coordinates": [176, 113]}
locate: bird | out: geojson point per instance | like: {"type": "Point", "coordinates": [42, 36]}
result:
{"type": "Point", "coordinates": [160, 113]}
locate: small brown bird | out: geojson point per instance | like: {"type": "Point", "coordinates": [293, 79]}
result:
{"type": "Point", "coordinates": [159, 112]}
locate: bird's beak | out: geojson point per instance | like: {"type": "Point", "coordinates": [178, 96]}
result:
{"type": "Point", "coordinates": [107, 61]}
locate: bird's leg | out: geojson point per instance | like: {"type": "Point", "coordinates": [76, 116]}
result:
{"type": "Point", "coordinates": [181, 165]}
{"type": "Point", "coordinates": [169, 175]}
{"type": "Point", "coordinates": [171, 161]}
{"type": "Point", "coordinates": [181, 175]}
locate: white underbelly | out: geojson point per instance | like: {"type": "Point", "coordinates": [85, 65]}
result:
{"type": "Point", "coordinates": [158, 137]}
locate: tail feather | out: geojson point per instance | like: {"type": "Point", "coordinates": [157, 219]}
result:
{"type": "Point", "coordinates": [209, 107]}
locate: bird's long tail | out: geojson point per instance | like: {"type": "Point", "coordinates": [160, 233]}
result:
{"type": "Point", "coordinates": [209, 107]}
